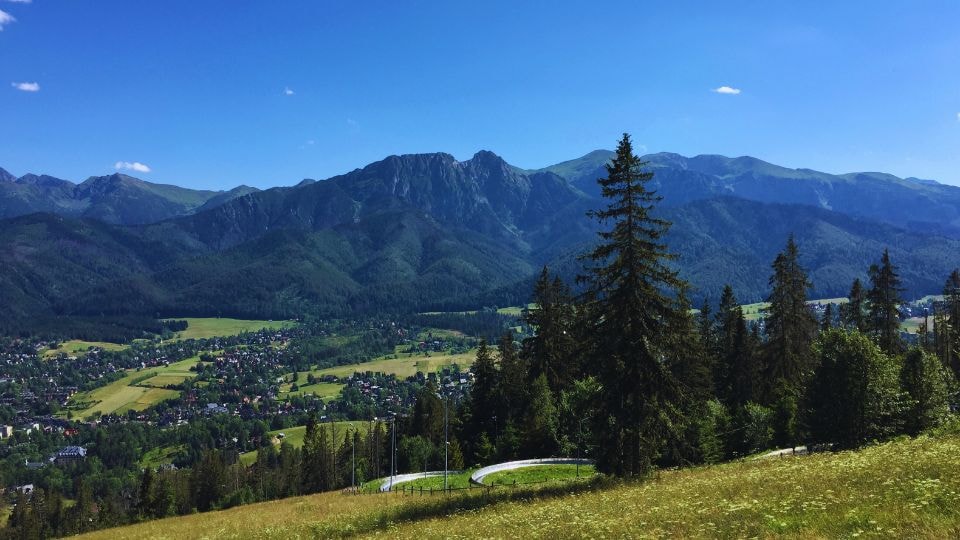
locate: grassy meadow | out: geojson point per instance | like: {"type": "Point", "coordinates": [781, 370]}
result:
{"type": "Point", "coordinates": [539, 474]}
{"type": "Point", "coordinates": [77, 347]}
{"type": "Point", "coordinates": [905, 488]}
{"type": "Point", "coordinates": [136, 390]}
{"type": "Point", "coordinates": [204, 328]}
{"type": "Point", "coordinates": [404, 366]}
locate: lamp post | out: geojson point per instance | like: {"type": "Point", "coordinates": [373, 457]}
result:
{"type": "Point", "coordinates": [579, 442]}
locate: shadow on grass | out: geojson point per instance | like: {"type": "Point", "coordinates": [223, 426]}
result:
{"type": "Point", "coordinates": [423, 508]}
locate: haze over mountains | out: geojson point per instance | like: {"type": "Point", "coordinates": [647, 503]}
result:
{"type": "Point", "coordinates": [426, 231]}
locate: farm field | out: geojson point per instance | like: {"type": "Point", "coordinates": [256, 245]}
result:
{"type": "Point", "coordinates": [404, 366]}
{"type": "Point", "coordinates": [203, 328]}
{"type": "Point", "coordinates": [78, 346]}
{"type": "Point", "coordinates": [137, 390]}
{"type": "Point", "coordinates": [905, 488]}
{"type": "Point", "coordinates": [295, 435]}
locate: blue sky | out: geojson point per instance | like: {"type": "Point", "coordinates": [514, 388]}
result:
{"type": "Point", "coordinates": [212, 94]}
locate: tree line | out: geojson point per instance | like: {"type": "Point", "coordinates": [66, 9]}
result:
{"type": "Point", "coordinates": [629, 373]}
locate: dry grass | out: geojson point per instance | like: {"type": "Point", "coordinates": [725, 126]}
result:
{"type": "Point", "coordinates": [908, 488]}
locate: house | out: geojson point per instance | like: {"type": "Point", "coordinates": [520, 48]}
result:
{"type": "Point", "coordinates": [70, 453]}
{"type": "Point", "coordinates": [6, 432]}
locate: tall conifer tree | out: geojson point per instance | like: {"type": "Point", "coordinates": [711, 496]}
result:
{"type": "Point", "coordinates": [884, 299]}
{"type": "Point", "coordinates": [791, 329]}
{"type": "Point", "coordinates": [633, 294]}
{"type": "Point", "coordinates": [853, 313]}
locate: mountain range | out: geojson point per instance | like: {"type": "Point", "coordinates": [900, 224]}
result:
{"type": "Point", "coordinates": [426, 231]}
{"type": "Point", "coordinates": [117, 198]}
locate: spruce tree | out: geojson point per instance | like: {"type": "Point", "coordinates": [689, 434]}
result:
{"type": "Point", "coordinates": [884, 303]}
{"type": "Point", "coordinates": [791, 329]}
{"type": "Point", "coordinates": [853, 313]}
{"type": "Point", "coordinates": [484, 401]}
{"type": "Point", "coordinates": [826, 322]}
{"type": "Point", "coordinates": [746, 371]}
{"type": "Point", "coordinates": [551, 350]}
{"type": "Point", "coordinates": [790, 326]}
{"type": "Point", "coordinates": [513, 388]}
{"type": "Point", "coordinates": [727, 317]}
{"type": "Point", "coordinates": [948, 324]}
{"type": "Point", "coordinates": [632, 292]}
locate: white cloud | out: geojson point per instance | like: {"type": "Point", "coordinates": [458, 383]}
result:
{"type": "Point", "coordinates": [727, 90]}
{"type": "Point", "coordinates": [5, 18]}
{"type": "Point", "coordinates": [131, 166]}
{"type": "Point", "coordinates": [958, 116]}
{"type": "Point", "coordinates": [287, 91]}
{"type": "Point", "coordinates": [26, 86]}
{"type": "Point", "coordinates": [19, 1]}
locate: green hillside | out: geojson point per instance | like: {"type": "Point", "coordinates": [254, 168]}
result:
{"type": "Point", "coordinates": [906, 488]}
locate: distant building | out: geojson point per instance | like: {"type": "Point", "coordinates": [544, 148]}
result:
{"type": "Point", "coordinates": [70, 453]}
{"type": "Point", "coordinates": [6, 432]}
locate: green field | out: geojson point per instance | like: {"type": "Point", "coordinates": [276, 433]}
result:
{"type": "Point", "coordinates": [753, 312]}
{"type": "Point", "coordinates": [203, 328]}
{"type": "Point", "coordinates": [322, 390]}
{"type": "Point", "coordinates": [404, 366]}
{"type": "Point", "coordinates": [137, 390]}
{"type": "Point", "coordinates": [160, 456]}
{"type": "Point", "coordinates": [516, 311]}
{"type": "Point", "coordinates": [78, 347]}
{"type": "Point", "coordinates": [909, 488]}
{"type": "Point", "coordinates": [295, 435]}
{"type": "Point", "coordinates": [539, 474]}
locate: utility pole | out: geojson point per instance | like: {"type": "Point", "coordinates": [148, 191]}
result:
{"type": "Point", "coordinates": [446, 442]}
{"type": "Point", "coordinates": [393, 452]}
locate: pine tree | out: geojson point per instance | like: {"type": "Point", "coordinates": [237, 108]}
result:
{"type": "Point", "coordinates": [484, 404]}
{"type": "Point", "coordinates": [948, 324]}
{"type": "Point", "coordinates": [513, 387]}
{"type": "Point", "coordinates": [550, 351]}
{"type": "Point", "coordinates": [540, 421]}
{"type": "Point", "coordinates": [727, 316]}
{"type": "Point", "coordinates": [826, 322]}
{"type": "Point", "coordinates": [746, 371]}
{"type": "Point", "coordinates": [631, 291]}
{"type": "Point", "coordinates": [427, 418]}
{"type": "Point", "coordinates": [145, 500]}
{"type": "Point", "coordinates": [791, 328]}
{"type": "Point", "coordinates": [311, 464]}
{"type": "Point", "coordinates": [884, 299]}
{"type": "Point", "coordinates": [853, 313]}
